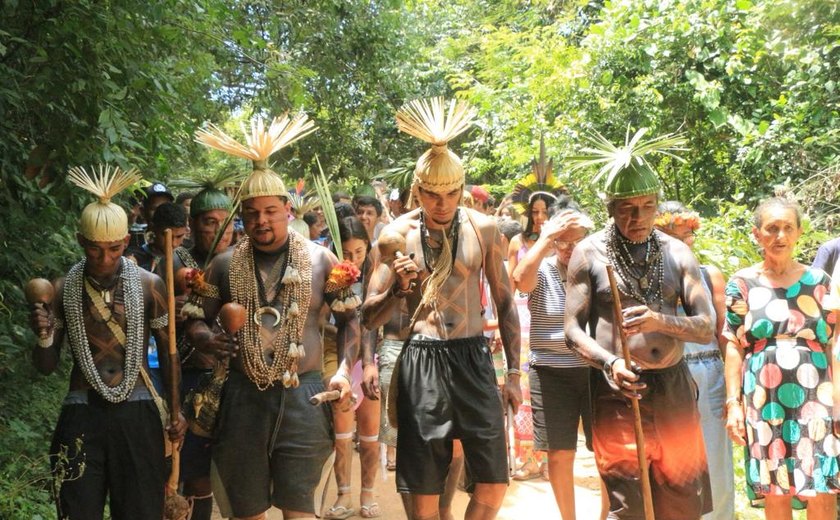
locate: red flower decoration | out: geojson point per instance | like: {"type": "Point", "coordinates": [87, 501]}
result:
{"type": "Point", "coordinates": [342, 276]}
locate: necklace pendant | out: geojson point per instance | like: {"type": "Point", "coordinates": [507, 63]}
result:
{"type": "Point", "coordinates": [643, 284]}
{"type": "Point", "coordinates": [267, 310]}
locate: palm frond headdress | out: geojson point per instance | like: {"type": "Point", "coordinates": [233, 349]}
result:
{"type": "Point", "coordinates": [261, 142]}
{"type": "Point", "coordinates": [212, 191]}
{"type": "Point", "coordinates": [436, 122]}
{"type": "Point", "coordinates": [626, 170]}
{"type": "Point", "coordinates": [541, 180]}
{"type": "Point", "coordinates": [103, 220]}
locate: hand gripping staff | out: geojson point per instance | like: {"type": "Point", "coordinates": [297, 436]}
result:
{"type": "Point", "coordinates": [637, 414]}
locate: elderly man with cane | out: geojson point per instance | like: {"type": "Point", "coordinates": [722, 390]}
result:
{"type": "Point", "coordinates": [653, 274]}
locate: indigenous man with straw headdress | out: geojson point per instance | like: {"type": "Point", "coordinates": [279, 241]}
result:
{"type": "Point", "coordinates": [654, 273]}
{"type": "Point", "coordinates": [109, 439]}
{"type": "Point", "coordinates": [444, 380]}
{"type": "Point", "coordinates": [270, 444]}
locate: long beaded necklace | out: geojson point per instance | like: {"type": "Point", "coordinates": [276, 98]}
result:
{"type": "Point", "coordinates": [77, 336]}
{"type": "Point", "coordinates": [294, 296]}
{"type": "Point", "coordinates": [643, 281]}
{"type": "Point", "coordinates": [430, 253]}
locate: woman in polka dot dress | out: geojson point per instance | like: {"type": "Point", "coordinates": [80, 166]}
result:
{"type": "Point", "coordinates": [779, 385]}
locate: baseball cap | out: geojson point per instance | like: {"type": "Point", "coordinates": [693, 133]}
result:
{"type": "Point", "coordinates": [158, 188]}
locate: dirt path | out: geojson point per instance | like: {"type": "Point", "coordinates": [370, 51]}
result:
{"type": "Point", "coordinates": [531, 499]}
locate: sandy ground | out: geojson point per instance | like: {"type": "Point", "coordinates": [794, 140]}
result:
{"type": "Point", "coordinates": [531, 499]}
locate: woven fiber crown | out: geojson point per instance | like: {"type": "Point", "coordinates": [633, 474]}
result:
{"type": "Point", "coordinates": [261, 143]}
{"type": "Point", "coordinates": [436, 122]}
{"type": "Point", "coordinates": [263, 182]}
{"type": "Point", "coordinates": [103, 221]}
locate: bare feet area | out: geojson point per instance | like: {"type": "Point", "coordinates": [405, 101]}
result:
{"type": "Point", "coordinates": [527, 499]}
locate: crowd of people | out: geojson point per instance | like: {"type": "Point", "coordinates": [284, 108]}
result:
{"type": "Point", "coordinates": [440, 319]}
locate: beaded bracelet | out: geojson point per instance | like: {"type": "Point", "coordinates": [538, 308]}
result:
{"type": "Point", "coordinates": [732, 400]}
{"type": "Point", "coordinates": [513, 372]}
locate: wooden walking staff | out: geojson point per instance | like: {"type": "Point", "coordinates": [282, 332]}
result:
{"type": "Point", "coordinates": [176, 506]}
{"type": "Point", "coordinates": [637, 414]}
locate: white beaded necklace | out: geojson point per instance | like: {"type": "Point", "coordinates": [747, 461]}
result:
{"type": "Point", "coordinates": [77, 336]}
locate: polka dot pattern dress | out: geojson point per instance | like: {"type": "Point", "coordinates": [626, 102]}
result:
{"type": "Point", "coordinates": [786, 380]}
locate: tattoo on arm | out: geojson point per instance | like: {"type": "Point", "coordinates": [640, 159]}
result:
{"type": "Point", "coordinates": [697, 325]}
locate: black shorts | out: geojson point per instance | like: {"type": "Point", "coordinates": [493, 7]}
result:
{"type": "Point", "coordinates": [121, 447]}
{"type": "Point", "coordinates": [271, 445]}
{"type": "Point", "coordinates": [560, 401]}
{"type": "Point", "coordinates": [195, 452]}
{"type": "Point", "coordinates": [447, 390]}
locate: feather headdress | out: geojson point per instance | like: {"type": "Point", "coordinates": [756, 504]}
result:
{"type": "Point", "coordinates": [436, 122]}
{"type": "Point", "coordinates": [541, 180]}
{"type": "Point", "coordinates": [626, 169]}
{"type": "Point", "coordinates": [261, 142]}
{"type": "Point", "coordinates": [103, 221]}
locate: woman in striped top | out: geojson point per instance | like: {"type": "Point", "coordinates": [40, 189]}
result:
{"type": "Point", "coordinates": [559, 380]}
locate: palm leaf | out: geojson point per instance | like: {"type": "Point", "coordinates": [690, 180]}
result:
{"type": "Point", "coordinates": [612, 159]}
{"type": "Point", "coordinates": [323, 189]}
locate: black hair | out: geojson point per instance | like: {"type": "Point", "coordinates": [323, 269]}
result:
{"type": "Point", "coordinates": [183, 196]}
{"type": "Point", "coordinates": [344, 210]}
{"type": "Point", "coordinates": [777, 202]}
{"type": "Point", "coordinates": [367, 200]}
{"type": "Point", "coordinates": [338, 195]}
{"type": "Point", "coordinates": [169, 215]}
{"type": "Point", "coordinates": [352, 227]}
{"type": "Point", "coordinates": [545, 197]}
{"type": "Point", "coordinates": [310, 217]}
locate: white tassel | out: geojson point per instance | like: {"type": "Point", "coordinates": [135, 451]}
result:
{"type": "Point", "coordinates": [294, 310]}
{"type": "Point", "coordinates": [338, 306]}
{"type": "Point", "coordinates": [291, 276]}
{"type": "Point", "coordinates": [287, 379]}
{"type": "Point", "coordinates": [295, 380]}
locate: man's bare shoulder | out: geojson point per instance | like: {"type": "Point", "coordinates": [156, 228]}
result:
{"type": "Point", "coordinates": [321, 255]}
{"type": "Point", "coordinates": [481, 220]}
{"type": "Point", "coordinates": [404, 223]}
{"type": "Point", "coordinates": [674, 247]}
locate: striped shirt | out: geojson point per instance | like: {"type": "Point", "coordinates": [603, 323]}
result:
{"type": "Point", "coordinates": [547, 303]}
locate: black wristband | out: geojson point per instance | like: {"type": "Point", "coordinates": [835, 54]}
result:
{"type": "Point", "coordinates": [397, 292]}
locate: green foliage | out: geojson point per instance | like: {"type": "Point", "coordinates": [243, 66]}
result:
{"type": "Point", "coordinates": [752, 85]}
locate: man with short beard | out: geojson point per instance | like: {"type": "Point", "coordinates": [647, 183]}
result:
{"type": "Point", "coordinates": [444, 384]}
{"type": "Point", "coordinates": [270, 444]}
{"type": "Point", "coordinates": [654, 274]}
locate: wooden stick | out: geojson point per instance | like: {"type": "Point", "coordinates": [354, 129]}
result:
{"type": "Point", "coordinates": [324, 397]}
{"type": "Point", "coordinates": [637, 414]}
{"type": "Point", "coordinates": [174, 402]}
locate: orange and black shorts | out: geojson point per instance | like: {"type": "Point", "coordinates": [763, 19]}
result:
{"type": "Point", "coordinates": [675, 452]}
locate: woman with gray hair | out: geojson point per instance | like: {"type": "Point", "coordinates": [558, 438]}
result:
{"type": "Point", "coordinates": [559, 379]}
